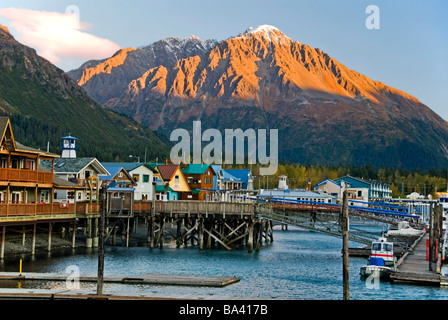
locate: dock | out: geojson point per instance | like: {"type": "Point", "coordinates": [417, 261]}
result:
{"type": "Point", "coordinates": [147, 278]}
{"type": "Point", "coordinates": [413, 267]}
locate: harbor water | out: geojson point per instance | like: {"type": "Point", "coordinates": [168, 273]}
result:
{"type": "Point", "coordinates": [299, 264]}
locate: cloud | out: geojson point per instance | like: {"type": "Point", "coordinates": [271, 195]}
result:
{"type": "Point", "coordinates": [58, 37]}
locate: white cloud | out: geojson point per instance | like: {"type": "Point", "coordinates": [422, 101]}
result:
{"type": "Point", "coordinates": [58, 37]}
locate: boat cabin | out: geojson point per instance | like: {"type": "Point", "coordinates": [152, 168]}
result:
{"type": "Point", "coordinates": [382, 253]}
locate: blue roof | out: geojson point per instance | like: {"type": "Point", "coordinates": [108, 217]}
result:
{"type": "Point", "coordinates": [216, 168]}
{"type": "Point", "coordinates": [113, 169]}
{"type": "Point", "coordinates": [241, 174]}
{"type": "Point", "coordinates": [325, 181]}
{"type": "Point", "coordinates": [129, 166]}
{"type": "Point", "coordinates": [70, 137]}
{"type": "Point", "coordinates": [120, 189]}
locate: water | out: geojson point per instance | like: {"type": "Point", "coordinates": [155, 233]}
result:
{"type": "Point", "coordinates": [297, 265]}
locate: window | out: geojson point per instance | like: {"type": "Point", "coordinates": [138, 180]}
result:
{"type": "Point", "coordinates": [176, 179]}
{"type": "Point", "coordinates": [136, 177]}
{"type": "Point", "coordinates": [120, 174]}
{"type": "Point", "coordinates": [146, 178]}
{"type": "Point", "coordinates": [359, 193]}
{"type": "Point", "coordinates": [87, 174]}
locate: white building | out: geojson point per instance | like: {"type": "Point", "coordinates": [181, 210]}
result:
{"type": "Point", "coordinates": [142, 174]}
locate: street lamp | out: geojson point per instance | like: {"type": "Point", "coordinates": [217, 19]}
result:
{"type": "Point", "coordinates": [138, 158]}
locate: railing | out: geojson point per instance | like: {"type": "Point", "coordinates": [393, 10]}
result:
{"type": "Point", "coordinates": [25, 175]}
{"type": "Point", "coordinates": [187, 207]}
{"type": "Point", "coordinates": [36, 209]}
{"type": "Point", "coordinates": [142, 206]}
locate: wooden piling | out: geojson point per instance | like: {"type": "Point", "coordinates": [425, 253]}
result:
{"type": "Point", "coordinates": [101, 243]}
{"type": "Point", "coordinates": [33, 243]}
{"type": "Point", "coordinates": [50, 227]}
{"type": "Point", "coordinates": [250, 241]}
{"type": "Point", "coordinates": [2, 249]}
{"type": "Point", "coordinates": [345, 258]}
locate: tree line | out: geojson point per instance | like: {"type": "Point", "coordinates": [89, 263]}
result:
{"type": "Point", "coordinates": [402, 181]}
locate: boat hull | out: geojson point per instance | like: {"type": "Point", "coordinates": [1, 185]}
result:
{"type": "Point", "coordinates": [371, 270]}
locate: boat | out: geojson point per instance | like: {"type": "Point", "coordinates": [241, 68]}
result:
{"type": "Point", "coordinates": [404, 229]}
{"type": "Point", "coordinates": [382, 260]}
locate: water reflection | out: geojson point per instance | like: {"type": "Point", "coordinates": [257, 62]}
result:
{"type": "Point", "coordinates": [297, 265]}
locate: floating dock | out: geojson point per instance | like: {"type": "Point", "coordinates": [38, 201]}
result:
{"type": "Point", "coordinates": [413, 267]}
{"type": "Point", "coordinates": [147, 278]}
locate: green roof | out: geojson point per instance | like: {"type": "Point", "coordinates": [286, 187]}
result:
{"type": "Point", "coordinates": [195, 168]}
{"type": "Point", "coordinates": [160, 188]}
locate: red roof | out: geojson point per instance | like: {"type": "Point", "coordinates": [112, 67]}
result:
{"type": "Point", "coordinates": [167, 170]}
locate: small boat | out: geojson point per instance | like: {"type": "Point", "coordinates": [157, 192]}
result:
{"type": "Point", "coordinates": [381, 261]}
{"type": "Point", "coordinates": [404, 229]}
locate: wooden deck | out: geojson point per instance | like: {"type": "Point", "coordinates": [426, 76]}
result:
{"type": "Point", "coordinates": [414, 268]}
{"type": "Point", "coordinates": [147, 278]}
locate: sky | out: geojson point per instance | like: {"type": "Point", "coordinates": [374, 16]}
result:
{"type": "Point", "coordinates": [408, 50]}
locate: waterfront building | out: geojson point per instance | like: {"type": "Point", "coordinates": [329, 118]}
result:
{"type": "Point", "coordinates": [82, 171]}
{"type": "Point", "coordinates": [26, 174]}
{"type": "Point", "coordinates": [377, 189]}
{"type": "Point", "coordinates": [336, 189]}
{"type": "Point", "coordinates": [143, 176]}
{"type": "Point", "coordinates": [200, 179]}
{"type": "Point", "coordinates": [284, 193]}
{"type": "Point", "coordinates": [28, 186]}
{"type": "Point", "coordinates": [173, 182]}
{"type": "Point", "coordinates": [296, 195]}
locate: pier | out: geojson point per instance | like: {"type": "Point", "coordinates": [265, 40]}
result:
{"type": "Point", "coordinates": [205, 224]}
{"type": "Point", "coordinates": [414, 268]}
{"type": "Point", "coordinates": [147, 278]}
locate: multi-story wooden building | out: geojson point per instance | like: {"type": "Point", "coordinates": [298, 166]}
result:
{"type": "Point", "coordinates": [200, 179]}
{"type": "Point", "coordinates": [27, 188]}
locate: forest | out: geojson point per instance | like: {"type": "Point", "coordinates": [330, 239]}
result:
{"type": "Point", "coordinates": [402, 182]}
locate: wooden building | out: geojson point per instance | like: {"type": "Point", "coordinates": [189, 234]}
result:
{"type": "Point", "coordinates": [200, 178]}
{"type": "Point", "coordinates": [174, 179]}
{"type": "Point", "coordinates": [27, 188]}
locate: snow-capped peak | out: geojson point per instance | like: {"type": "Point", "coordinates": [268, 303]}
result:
{"type": "Point", "coordinates": [264, 28]}
{"type": "Point", "coordinates": [266, 31]}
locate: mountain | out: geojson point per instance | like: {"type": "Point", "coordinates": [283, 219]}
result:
{"type": "Point", "coordinates": [325, 112]}
{"type": "Point", "coordinates": [45, 104]}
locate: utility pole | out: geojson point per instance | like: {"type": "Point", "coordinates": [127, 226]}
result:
{"type": "Point", "coordinates": [101, 241]}
{"type": "Point", "coordinates": [345, 256]}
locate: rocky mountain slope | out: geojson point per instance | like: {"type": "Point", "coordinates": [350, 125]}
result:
{"type": "Point", "coordinates": [44, 104]}
{"type": "Point", "coordinates": [325, 112]}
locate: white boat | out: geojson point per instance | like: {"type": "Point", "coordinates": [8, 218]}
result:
{"type": "Point", "coordinates": [382, 260]}
{"type": "Point", "coordinates": [404, 229]}
{"type": "Point", "coordinates": [381, 272]}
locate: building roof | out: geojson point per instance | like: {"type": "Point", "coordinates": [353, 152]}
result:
{"type": "Point", "coordinates": [120, 189]}
{"type": "Point", "coordinates": [241, 174]}
{"type": "Point", "coordinates": [64, 184]}
{"type": "Point", "coordinates": [229, 177]}
{"type": "Point", "coordinates": [167, 170]}
{"type": "Point", "coordinates": [193, 168]}
{"type": "Point", "coordinates": [325, 181]}
{"type": "Point", "coordinates": [76, 165]}
{"type": "Point", "coordinates": [293, 193]}
{"type": "Point", "coordinates": [129, 166]}
{"type": "Point", "coordinates": [160, 188]}
{"type": "Point", "coordinates": [113, 169]}
{"type": "Point", "coordinates": [349, 177]}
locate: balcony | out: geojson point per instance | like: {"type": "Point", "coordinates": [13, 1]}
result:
{"type": "Point", "coordinates": [25, 175]}
{"type": "Point", "coordinates": [36, 209]}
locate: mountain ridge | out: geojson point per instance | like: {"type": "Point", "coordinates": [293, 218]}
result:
{"type": "Point", "coordinates": [44, 104]}
{"type": "Point", "coordinates": [326, 112]}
